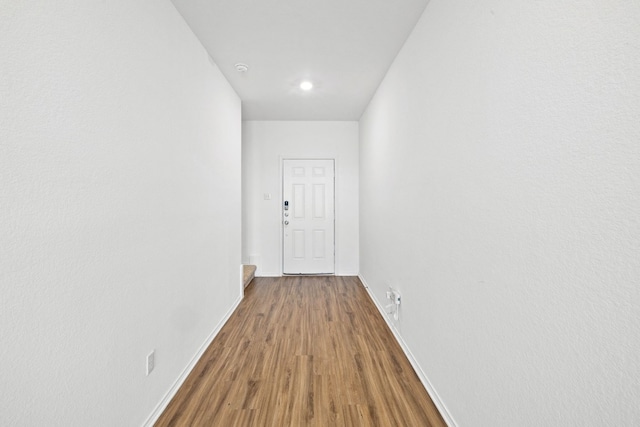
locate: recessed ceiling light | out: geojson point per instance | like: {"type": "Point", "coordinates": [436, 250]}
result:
{"type": "Point", "coordinates": [242, 68]}
{"type": "Point", "coordinates": [306, 85]}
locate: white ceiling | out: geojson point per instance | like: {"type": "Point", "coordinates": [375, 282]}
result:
{"type": "Point", "coordinates": [343, 46]}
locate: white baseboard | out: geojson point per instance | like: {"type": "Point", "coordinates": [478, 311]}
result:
{"type": "Point", "coordinates": [416, 366]}
{"type": "Point", "coordinates": [342, 273]}
{"type": "Point", "coordinates": [159, 409]}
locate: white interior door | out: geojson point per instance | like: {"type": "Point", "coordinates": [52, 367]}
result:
{"type": "Point", "coordinates": [308, 217]}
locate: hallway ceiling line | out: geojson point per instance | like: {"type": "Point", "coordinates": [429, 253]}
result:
{"type": "Point", "coordinates": [343, 47]}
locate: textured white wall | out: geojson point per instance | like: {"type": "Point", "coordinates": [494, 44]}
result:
{"type": "Point", "coordinates": [119, 167]}
{"type": "Point", "coordinates": [500, 192]}
{"type": "Point", "coordinates": [264, 143]}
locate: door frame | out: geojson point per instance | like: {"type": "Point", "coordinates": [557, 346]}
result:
{"type": "Point", "coordinates": [281, 160]}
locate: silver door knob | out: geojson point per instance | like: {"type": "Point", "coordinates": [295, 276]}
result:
{"type": "Point", "coordinates": [286, 223]}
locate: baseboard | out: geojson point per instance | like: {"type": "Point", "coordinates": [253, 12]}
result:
{"type": "Point", "coordinates": [342, 273]}
{"type": "Point", "coordinates": [414, 363]}
{"type": "Point", "coordinates": [159, 409]}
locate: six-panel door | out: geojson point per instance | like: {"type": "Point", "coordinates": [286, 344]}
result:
{"type": "Point", "coordinates": [308, 216]}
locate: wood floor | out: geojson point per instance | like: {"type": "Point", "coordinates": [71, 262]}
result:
{"type": "Point", "coordinates": [303, 351]}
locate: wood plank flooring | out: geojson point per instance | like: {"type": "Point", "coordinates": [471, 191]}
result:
{"type": "Point", "coordinates": [303, 351]}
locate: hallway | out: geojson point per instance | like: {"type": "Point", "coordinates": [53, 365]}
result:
{"type": "Point", "coordinates": [486, 165]}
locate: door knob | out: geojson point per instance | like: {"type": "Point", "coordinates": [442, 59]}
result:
{"type": "Point", "coordinates": [286, 223]}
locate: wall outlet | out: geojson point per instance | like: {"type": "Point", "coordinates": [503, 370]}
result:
{"type": "Point", "coordinates": [393, 308]}
{"type": "Point", "coordinates": [151, 361]}
{"type": "Point", "coordinates": [393, 295]}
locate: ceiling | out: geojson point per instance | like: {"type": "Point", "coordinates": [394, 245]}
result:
{"type": "Point", "coordinates": [344, 47]}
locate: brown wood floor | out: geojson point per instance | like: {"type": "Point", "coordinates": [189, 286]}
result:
{"type": "Point", "coordinates": [303, 351]}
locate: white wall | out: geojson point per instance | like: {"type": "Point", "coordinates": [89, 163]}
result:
{"type": "Point", "coordinates": [119, 164]}
{"type": "Point", "coordinates": [264, 144]}
{"type": "Point", "coordinates": [500, 192]}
